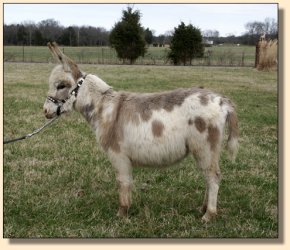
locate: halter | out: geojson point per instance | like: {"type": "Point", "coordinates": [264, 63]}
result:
{"type": "Point", "coordinates": [74, 92]}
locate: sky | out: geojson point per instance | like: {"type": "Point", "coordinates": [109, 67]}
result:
{"type": "Point", "coordinates": [228, 19]}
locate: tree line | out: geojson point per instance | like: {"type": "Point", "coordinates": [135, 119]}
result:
{"type": "Point", "coordinates": [38, 34]}
{"type": "Point", "coordinates": [30, 33]}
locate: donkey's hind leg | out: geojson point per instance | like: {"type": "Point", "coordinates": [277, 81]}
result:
{"type": "Point", "coordinates": [208, 162]}
{"type": "Point", "coordinates": [212, 177]}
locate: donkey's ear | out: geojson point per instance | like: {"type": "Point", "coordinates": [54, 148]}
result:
{"type": "Point", "coordinates": [56, 52]}
{"type": "Point", "coordinates": [68, 64]}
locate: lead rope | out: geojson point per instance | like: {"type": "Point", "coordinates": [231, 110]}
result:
{"type": "Point", "coordinates": [55, 101]}
{"type": "Point", "coordinates": [33, 133]}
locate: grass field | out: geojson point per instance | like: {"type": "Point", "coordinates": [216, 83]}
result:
{"type": "Point", "coordinates": [59, 184]}
{"type": "Point", "coordinates": [229, 55]}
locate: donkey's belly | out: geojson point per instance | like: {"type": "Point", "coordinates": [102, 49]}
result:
{"type": "Point", "coordinates": [157, 152]}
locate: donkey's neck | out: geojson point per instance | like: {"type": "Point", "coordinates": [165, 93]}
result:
{"type": "Point", "coordinates": [90, 101]}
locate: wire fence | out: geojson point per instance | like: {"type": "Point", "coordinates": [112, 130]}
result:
{"type": "Point", "coordinates": [213, 56]}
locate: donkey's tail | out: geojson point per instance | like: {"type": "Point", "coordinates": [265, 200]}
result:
{"type": "Point", "coordinates": [232, 143]}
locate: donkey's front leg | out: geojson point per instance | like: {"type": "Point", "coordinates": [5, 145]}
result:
{"type": "Point", "coordinates": [124, 179]}
{"type": "Point", "coordinates": [125, 198]}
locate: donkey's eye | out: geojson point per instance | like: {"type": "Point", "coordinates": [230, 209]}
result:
{"type": "Point", "coordinates": [60, 86]}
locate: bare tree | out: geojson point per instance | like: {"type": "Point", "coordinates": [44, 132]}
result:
{"type": "Point", "coordinates": [210, 34]}
{"type": "Point", "coordinates": [30, 27]}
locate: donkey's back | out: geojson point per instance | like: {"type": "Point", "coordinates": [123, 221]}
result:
{"type": "Point", "coordinates": [162, 128]}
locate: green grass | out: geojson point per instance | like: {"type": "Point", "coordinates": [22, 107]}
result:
{"type": "Point", "coordinates": [229, 55]}
{"type": "Point", "coordinates": [59, 184]}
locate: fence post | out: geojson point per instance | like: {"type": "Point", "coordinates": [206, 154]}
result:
{"type": "Point", "coordinates": [23, 53]}
{"type": "Point", "coordinates": [257, 57]}
{"type": "Point", "coordinates": [243, 59]}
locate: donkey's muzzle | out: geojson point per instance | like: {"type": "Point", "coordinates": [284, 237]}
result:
{"type": "Point", "coordinates": [57, 107]}
{"type": "Point", "coordinates": [48, 115]}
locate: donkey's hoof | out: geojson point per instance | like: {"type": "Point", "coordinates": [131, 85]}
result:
{"type": "Point", "coordinates": [123, 212]}
{"type": "Point", "coordinates": [208, 216]}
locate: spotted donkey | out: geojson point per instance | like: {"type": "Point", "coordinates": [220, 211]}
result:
{"type": "Point", "coordinates": [147, 129]}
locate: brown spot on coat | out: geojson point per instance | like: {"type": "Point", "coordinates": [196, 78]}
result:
{"type": "Point", "coordinates": [87, 111]}
{"type": "Point", "coordinates": [200, 124]}
{"type": "Point", "coordinates": [213, 136]}
{"type": "Point", "coordinates": [144, 104]}
{"type": "Point", "coordinates": [203, 98]}
{"type": "Point", "coordinates": [113, 128]}
{"type": "Point", "coordinates": [113, 125]}
{"type": "Point", "coordinates": [157, 128]}
{"type": "Point", "coordinates": [111, 137]}
{"type": "Point", "coordinates": [190, 122]}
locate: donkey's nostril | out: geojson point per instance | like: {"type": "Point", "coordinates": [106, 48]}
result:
{"type": "Point", "coordinates": [48, 115]}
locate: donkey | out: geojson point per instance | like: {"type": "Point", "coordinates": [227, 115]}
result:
{"type": "Point", "coordinates": [147, 129]}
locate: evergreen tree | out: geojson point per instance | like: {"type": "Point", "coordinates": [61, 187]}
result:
{"type": "Point", "coordinates": [148, 36]}
{"type": "Point", "coordinates": [127, 36]}
{"type": "Point", "coordinates": [186, 44]}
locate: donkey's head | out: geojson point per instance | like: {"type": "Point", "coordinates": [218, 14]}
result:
{"type": "Point", "coordinates": [63, 79]}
